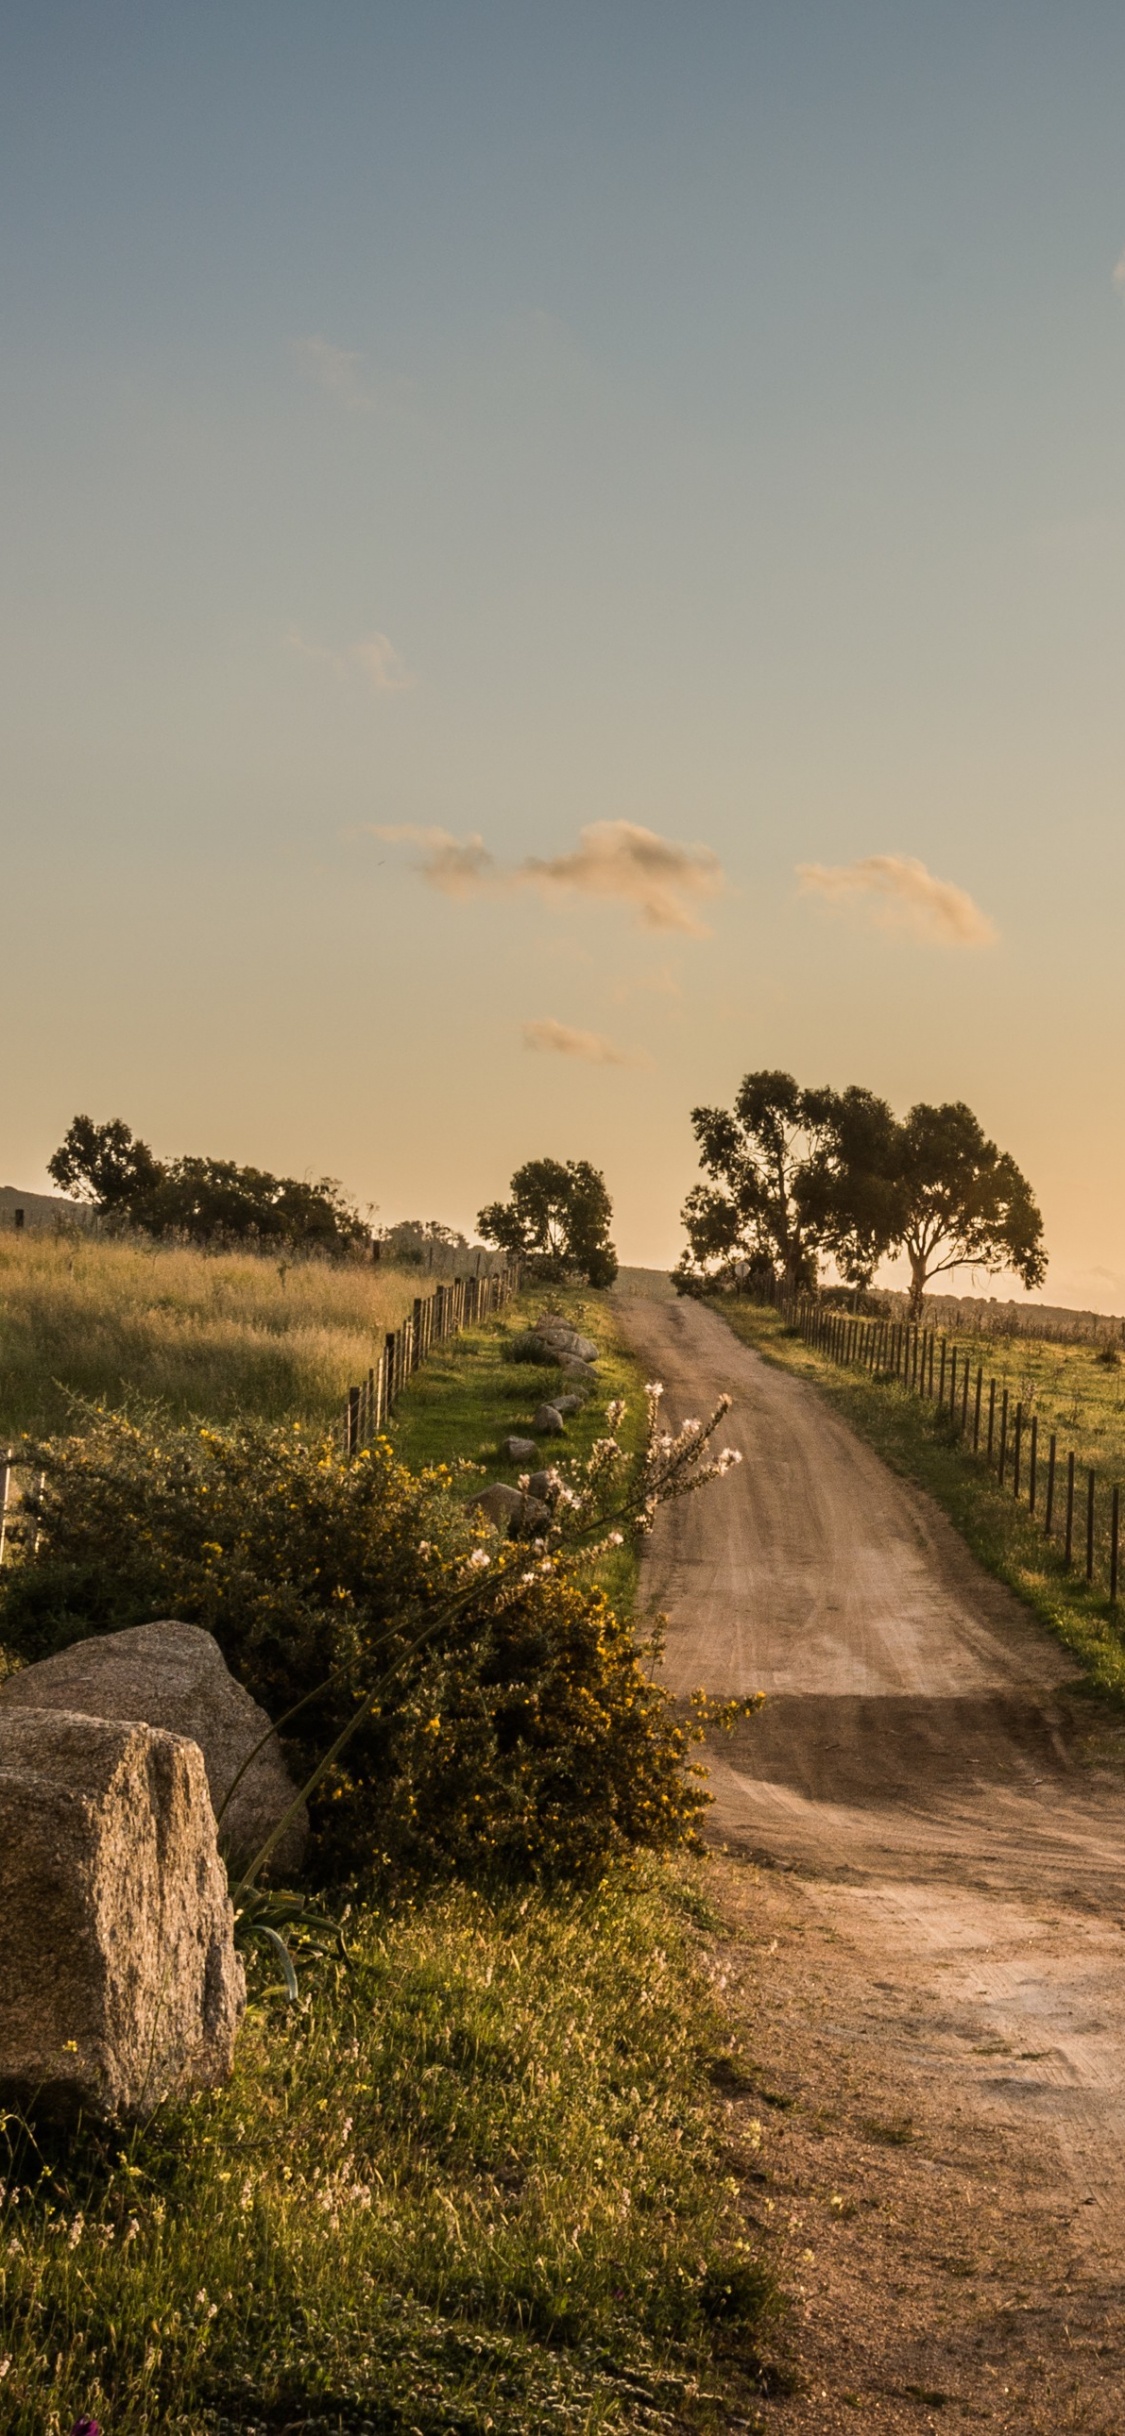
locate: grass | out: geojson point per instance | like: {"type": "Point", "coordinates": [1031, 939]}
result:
{"type": "Point", "coordinates": [472, 2182]}
{"type": "Point", "coordinates": [471, 1396]}
{"type": "Point", "coordinates": [207, 1335]}
{"type": "Point", "coordinates": [916, 1439]}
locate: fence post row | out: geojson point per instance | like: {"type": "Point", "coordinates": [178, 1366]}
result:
{"type": "Point", "coordinates": [903, 1351]}
{"type": "Point", "coordinates": [434, 1318]}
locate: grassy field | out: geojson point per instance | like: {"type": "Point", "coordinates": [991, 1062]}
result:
{"type": "Point", "coordinates": [916, 1439]}
{"type": "Point", "coordinates": [471, 2183]}
{"type": "Point", "coordinates": [207, 1335]}
{"type": "Point", "coordinates": [471, 1396]}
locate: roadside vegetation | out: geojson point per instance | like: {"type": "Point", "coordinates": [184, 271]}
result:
{"type": "Point", "coordinates": [471, 2182]}
{"type": "Point", "coordinates": [474, 2178]}
{"type": "Point", "coordinates": [916, 1438]}
{"type": "Point", "coordinates": [209, 1333]}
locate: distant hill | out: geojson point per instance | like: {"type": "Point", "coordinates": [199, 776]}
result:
{"type": "Point", "coordinates": [39, 1209]}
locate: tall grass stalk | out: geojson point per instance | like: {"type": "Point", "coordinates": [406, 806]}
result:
{"type": "Point", "coordinates": [215, 1335]}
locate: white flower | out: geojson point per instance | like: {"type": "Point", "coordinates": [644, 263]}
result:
{"type": "Point", "coordinates": [655, 1388]}
{"type": "Point", "coordinates": [729, 1457]}
{"type": "Point", "coordinates": [689, 1429]}
{"type": "Point", "coordinates": [479, 1559]}
{"type": "Point", "coordinates": [615, 1540]}
{"type": "Point", "coordinates": [75, 2231]}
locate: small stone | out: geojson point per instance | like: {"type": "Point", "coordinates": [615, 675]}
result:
{"type": "Point", "coordinates": [513, 1513]}
{"type": "Point", "coordinates": [518, 1450]}
{"type": "Point", "coordinates": [175, 1675]}
{"type": "Point", "coordinates": [549, 1421]}
{"type": "Point", "coordinates": [122, 1986]}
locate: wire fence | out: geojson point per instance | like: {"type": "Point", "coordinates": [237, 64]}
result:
{"type": "Point", "coordinates": [1076, 1510]}
{"type": "Point", "coordinates": [435, 1318]}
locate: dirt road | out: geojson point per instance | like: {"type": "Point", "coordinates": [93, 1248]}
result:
{"type": "Point", "coordinates": [949, 1811]}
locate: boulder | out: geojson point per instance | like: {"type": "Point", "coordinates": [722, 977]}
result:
{"type": "Point", "coordinates": [519, 1517]}
{"type": "Point", "coordinates": [175, 1676]}
{"type": "Point", "coordinates": [569, 1404]}
{"type": "Point", "coordinates": [567, 1340]}
{"type": "Point", "coordinates": [518, 1450]}
{"type": "Point", "coordinates": [121, 1983]}
{"type": "Point", "coordinates": [549, 1421]}
{"type": "Point", "coordinates": [582, 1373]}
{"type": "Point", "coordinates": [544, 1486]}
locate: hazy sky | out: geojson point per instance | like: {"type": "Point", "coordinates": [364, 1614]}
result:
{"type": "Point", "coordinates": [502, 422]}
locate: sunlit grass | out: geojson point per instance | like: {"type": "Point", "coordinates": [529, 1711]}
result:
{"type": "Point", "coordinates": [214, 1335]}
{"type": "Point", "coordinates": [473, 2182]}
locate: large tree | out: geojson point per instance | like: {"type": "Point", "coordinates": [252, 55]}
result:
{"type": "Point", "coordinates": [795, 1172]}
{"type": "Point", "coordinates": [961, 1202]}
{"type": "Point", "coordinates": [208, 1200]}
{"type": "Point", "coordinates": [557, 1218]}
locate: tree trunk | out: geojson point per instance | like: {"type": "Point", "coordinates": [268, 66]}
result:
{"type": "Point", "coordinates": [917, 1287]}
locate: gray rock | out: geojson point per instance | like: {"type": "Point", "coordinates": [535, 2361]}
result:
{"type": "Point", "coordinates": [567, 1340]}
{"type": "Point", "coordinates": [549, 1421]}
{"type": "Point", "coordinates": [569, 1404]}
{"type": "Point", "coordinates": [519, 1517]}
{"type": "Point", "coordinates": [175, 1676]}
{"type": "Point", "coordinates": [544, 1486]}
{"type": "Point", "coordinates": [573, 1368]}
{"type": "Point", "coordinates": [121, 1982]}
{"type": "Point", "coordinates": [518, 1450]}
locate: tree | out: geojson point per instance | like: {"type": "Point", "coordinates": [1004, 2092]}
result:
{"type": "Point", "coordinates": [558, 1219]}
{"type": "Point", "coordinates": [105, 1165]}
{"type": "Point", "coordinates": [208, 1200]}
{"type": "Point", "coordinates": [796, 1172]}
{"type": "Point", "coordinates": [961, 1202]}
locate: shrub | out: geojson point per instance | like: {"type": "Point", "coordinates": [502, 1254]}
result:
{"type": "Point", "coordinates": [507, 1720]}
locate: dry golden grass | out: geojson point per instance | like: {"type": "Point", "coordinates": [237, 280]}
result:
{"type": "Point", "coordinates": [208, 1334]}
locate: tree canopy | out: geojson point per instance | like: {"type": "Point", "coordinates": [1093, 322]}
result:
{"type": "Point", "coordinates": [557, 1218]}
{"type": "Point", "coordinates": [800, 1175]}
{"type": "Point", "coordinates": [795, 1173]}
{"type": "Point", "coordinates": [207, 1200]}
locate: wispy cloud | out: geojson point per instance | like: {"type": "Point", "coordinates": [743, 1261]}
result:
{"type": "Point", "coordinates": [898, 893]}
{"type": "Point", "coordinates": [337, 369]}
{"type": "Point", "coordinates": [547, 1033]}
{"type": "Point", "coordinates": [663, 882]}
{"type": "Point", "coordinates": [460, 867]}
{"type": "Point", "coordinates": [374, 656]}
{"type": "Point", "coordinates": [1119, 276]}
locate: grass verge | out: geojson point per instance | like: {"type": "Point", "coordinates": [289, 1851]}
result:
{"type": "Point", "coordinates": [213, 1335]}
{"type": "Point", "coordinates": [916, 1439]}
{"type": "Point", "coordinates": [472, 2182]}
{"type": "Point", "coordinates": [471, 1395]}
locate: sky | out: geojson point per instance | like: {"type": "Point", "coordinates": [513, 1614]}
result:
{"type": "Point", "coordinates": [551, 557]}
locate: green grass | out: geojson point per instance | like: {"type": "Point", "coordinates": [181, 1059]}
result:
{"type": "Point", "coordinates": [472, 2183]}
{"type": "Point", "coordinates": [471, 1395]}
{"type": "Point", "coordinates": [917, 1440]}
{"type": "Point", "coordinates": [207, 1335]}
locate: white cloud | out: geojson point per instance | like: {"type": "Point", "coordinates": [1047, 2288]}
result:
{"type": "Point", "coordinates": [662, 882]}
{"type": "Point", "coordinates": [898, 893]}
{"type": "Point", "coordinates": [375, 656]}
{"type": "Point", "coordinates": [460, 867]}
{"type": "Point", "coordinates": [336, 369]}
{"type": "Point", "coordinates": [547, 1033]}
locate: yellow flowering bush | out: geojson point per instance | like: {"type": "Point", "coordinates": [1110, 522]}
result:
{"type": "Point", "coordinates": [506, 1723]}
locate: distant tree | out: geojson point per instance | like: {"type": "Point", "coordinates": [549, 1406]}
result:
{"type": "Point", "coordinates": [795, 1173]}
{"type": "Point", "coordinates": [208, 1200]}
{"type": "Point", "coordinates": [961, 1202]}
{"type": "Point", "coordinates": [106, 1165]}
{"type": "Point", "coordinates": [558, 1219]}
{"type": "Point", "coordinates": [412, 1242]}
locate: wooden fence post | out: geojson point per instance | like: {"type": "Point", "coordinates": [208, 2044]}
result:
{"type": "Point", "coordinates": [1090, 1526]}
{"type": "Point", "coordinates": [1114, 1527]}
{"type": "Point", "coordinates": [1032, 1463]}
{"type": "Point", "coordinates": [1003, 1439]}
{"type": "Point", "coordinates": [991, 1418]}
{"type": "Point", "coordinates": [1068, 1549]}
{"type": "Point", "coordinates": [353, 1420]}
{"type": "Point", "coordinates": [5, 1483]}
{"type": "Point", "coordinates": [976, 1408]}
{"type": "Point", "coordinates": [1049, 1510]}
{"type": "Point", "coordinates": [1017, 1435]}
{"type": "Point", "coordinates": [941, 1375]}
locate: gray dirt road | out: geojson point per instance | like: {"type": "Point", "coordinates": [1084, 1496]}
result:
{"type": "Point", "coordinates": [947, 1800]}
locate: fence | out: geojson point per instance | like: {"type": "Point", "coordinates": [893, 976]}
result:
{"type": "Point", "coordinates": [1006, 1437]}
{"type": "Point", "coordinates": [435, 1318]}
